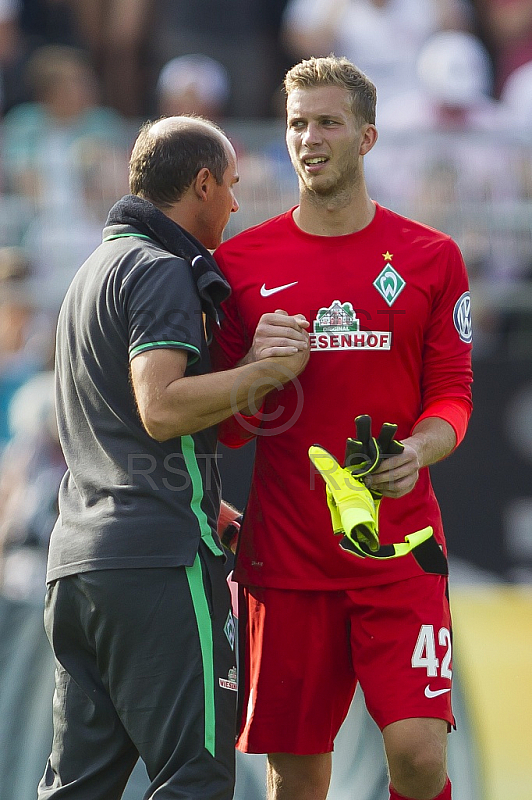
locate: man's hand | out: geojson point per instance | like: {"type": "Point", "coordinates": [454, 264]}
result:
{"type": "Point", "coordinates": [279, 334]}
{"type": "Point", "coordinates": [283, 338]}
{"type": "Point", "coordinates": [397, 475]}
{"type": "Point", "coordinates": [432, 439]}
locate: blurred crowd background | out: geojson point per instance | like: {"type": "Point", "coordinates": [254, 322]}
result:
{"type": "Point", "coordinates": [454, 113]}
{"type": "Point", "coordinates": [78, 77]}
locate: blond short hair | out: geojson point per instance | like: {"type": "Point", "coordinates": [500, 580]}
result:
{"type": "Point", "coordinates": [335, 71]}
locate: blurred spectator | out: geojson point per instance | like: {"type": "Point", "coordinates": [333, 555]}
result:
{"type": "Point", "coordinates": [516, 99]}
{"type": "Point", "coordinates": [450, 161]}
{"type": "Point", "coordinates": [440, 153]}
{"type": "Point", "coordinates": [26, 334]}
{"type": "Point", "coordinates": [382, 37]}
{"type": "Point", "coordinates": [42, 138]}
{"type": "Point", "coordinates": [68, 155]}
{"type": "Point", "coordinates": [506, 27]}
{"type": "Point", "coordinates": [452, 90]}
{"type": "Point", "coordinates": [26, 25]}
{"type": "Point", "coordinates": [9, 44]}
{"type": "Point", "coordinates": [437, 173]}
{"type": "Point", "coordinates": [193, 84]}
{"type": "Point", "coordinates": [243, 35]}
{"type": "Point", "coordinates": [31, 469]}
{"type": "Point", "coordinates": [116, 33]}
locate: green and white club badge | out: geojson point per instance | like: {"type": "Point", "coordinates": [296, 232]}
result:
{"type": "Point", "coordinates": [388, 282]}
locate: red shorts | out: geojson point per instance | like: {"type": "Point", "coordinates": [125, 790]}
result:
{"type": "Point", "coordinates": [306, 651]}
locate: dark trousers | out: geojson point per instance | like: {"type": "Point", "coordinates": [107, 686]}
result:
{"type": "Point", "coordinates": [145, 667]}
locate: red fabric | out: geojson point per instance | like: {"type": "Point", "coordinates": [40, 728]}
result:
{"type": "Point", "coordinates": [453, 411]}
{"type": "Point", "coordinates": [445, 794]}
{"type": "Point", "coordinates": [287, 539]}
{"type": "Point", "coordinates": [289, 664]}
{"type": "Point", "coordinates": [239, 429]}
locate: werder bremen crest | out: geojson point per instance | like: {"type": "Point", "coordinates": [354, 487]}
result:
{"type": "Point", "coordinates": [337, 328]}
{"type": "Point", "coordinates": [230, 630]}
{"type": "Point", "coordinates": [389, 283]}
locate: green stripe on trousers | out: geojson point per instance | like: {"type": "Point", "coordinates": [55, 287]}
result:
{"type": "Point", "coordinates": [203, 619]}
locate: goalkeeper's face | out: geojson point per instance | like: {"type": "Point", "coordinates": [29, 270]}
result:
{"type": "Point", "coordinates": [325, 140]}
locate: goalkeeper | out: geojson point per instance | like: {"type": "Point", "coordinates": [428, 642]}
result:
{"type": "Point", "coordinates": [385, 302]}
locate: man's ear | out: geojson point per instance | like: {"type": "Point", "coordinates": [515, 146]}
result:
{"type": "Point", "coordinates": [201, 184]}
{"type": "Point", "coordinates": [369, 138]}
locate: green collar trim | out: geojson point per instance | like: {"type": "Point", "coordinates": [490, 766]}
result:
{"type": "Point", "coordinates": [127, 235]}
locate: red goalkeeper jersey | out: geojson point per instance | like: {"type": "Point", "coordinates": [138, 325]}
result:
{"type": "Point", "coordinates": [390, 334]}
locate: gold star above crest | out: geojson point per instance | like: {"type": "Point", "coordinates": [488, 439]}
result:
{"type": "Point", "coordinates": [387, 256]}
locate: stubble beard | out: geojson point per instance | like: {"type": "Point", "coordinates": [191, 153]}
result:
{"type": "Point", "coordinates": [338, 193]}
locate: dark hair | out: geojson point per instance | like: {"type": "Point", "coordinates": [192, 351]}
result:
{"type": "Point", "coordinates": [163, 165]}
{"type": "Point", "coordinates": [335, 71]}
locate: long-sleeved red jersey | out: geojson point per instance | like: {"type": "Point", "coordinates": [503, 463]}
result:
{"type": "Point", "coordinates": [390, 334]}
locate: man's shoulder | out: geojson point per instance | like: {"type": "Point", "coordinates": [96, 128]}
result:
{"type": "Point", "coordinates": [255, 235]}
{"type": "Point", "coordinates": [414, 228]}
{"type": "Point", "coordinates": [132, 255]}
{"type": "Point", "coordinates": [122, 265]}
{"type": "Point", "coordinates": [126, 238]}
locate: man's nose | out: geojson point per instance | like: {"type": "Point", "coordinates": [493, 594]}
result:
{"type": "Point", "coordinates": [312, 134]}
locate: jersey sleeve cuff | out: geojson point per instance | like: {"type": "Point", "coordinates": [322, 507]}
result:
{"type": "Point", "coordinates": [454, 411]}
{"type": "Point", "coordinates": [193, 352]}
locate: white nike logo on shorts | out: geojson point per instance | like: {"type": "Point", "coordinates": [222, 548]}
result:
{"type": "Point", "coordinates": [267, 292]}
{"type": "Point", "coordinates": [435, 692]}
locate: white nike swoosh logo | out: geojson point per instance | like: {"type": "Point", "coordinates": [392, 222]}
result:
{"type": "Point", "coordinates": [435, 692]}
{"type": "Point", "coordinates": [267, 292]}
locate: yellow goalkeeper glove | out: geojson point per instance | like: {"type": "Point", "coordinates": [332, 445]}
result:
{"type": "Point", "coordinates": [354, 509]}
{"type": "Point", "coordinates": [351, 504]}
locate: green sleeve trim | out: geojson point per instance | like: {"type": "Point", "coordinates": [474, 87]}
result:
{"type": "Point", "coordinates": [191, 463]}
{"type": "Point", "coordinates": [203, 619]}
{"type": "Point", "coordinates": [127, 236]}
{"type": "Point", "coordinates": [170, 344]}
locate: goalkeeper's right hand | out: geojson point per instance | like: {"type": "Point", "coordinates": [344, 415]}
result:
{"type": "Point", "coordinates": [351, 504]}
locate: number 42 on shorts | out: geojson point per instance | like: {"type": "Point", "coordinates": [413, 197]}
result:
{"type": "Point", "coordinates": [424, 654]}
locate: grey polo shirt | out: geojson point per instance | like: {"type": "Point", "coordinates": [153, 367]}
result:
{"type": "Point", "coordinates": [127, 500]}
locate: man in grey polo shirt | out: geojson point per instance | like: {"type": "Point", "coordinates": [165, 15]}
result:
{"type": "Point", "coordinates": [137, 609]}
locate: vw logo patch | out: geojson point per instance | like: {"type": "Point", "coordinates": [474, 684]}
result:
{"type": "Point", "coordinates": [462, 318]}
